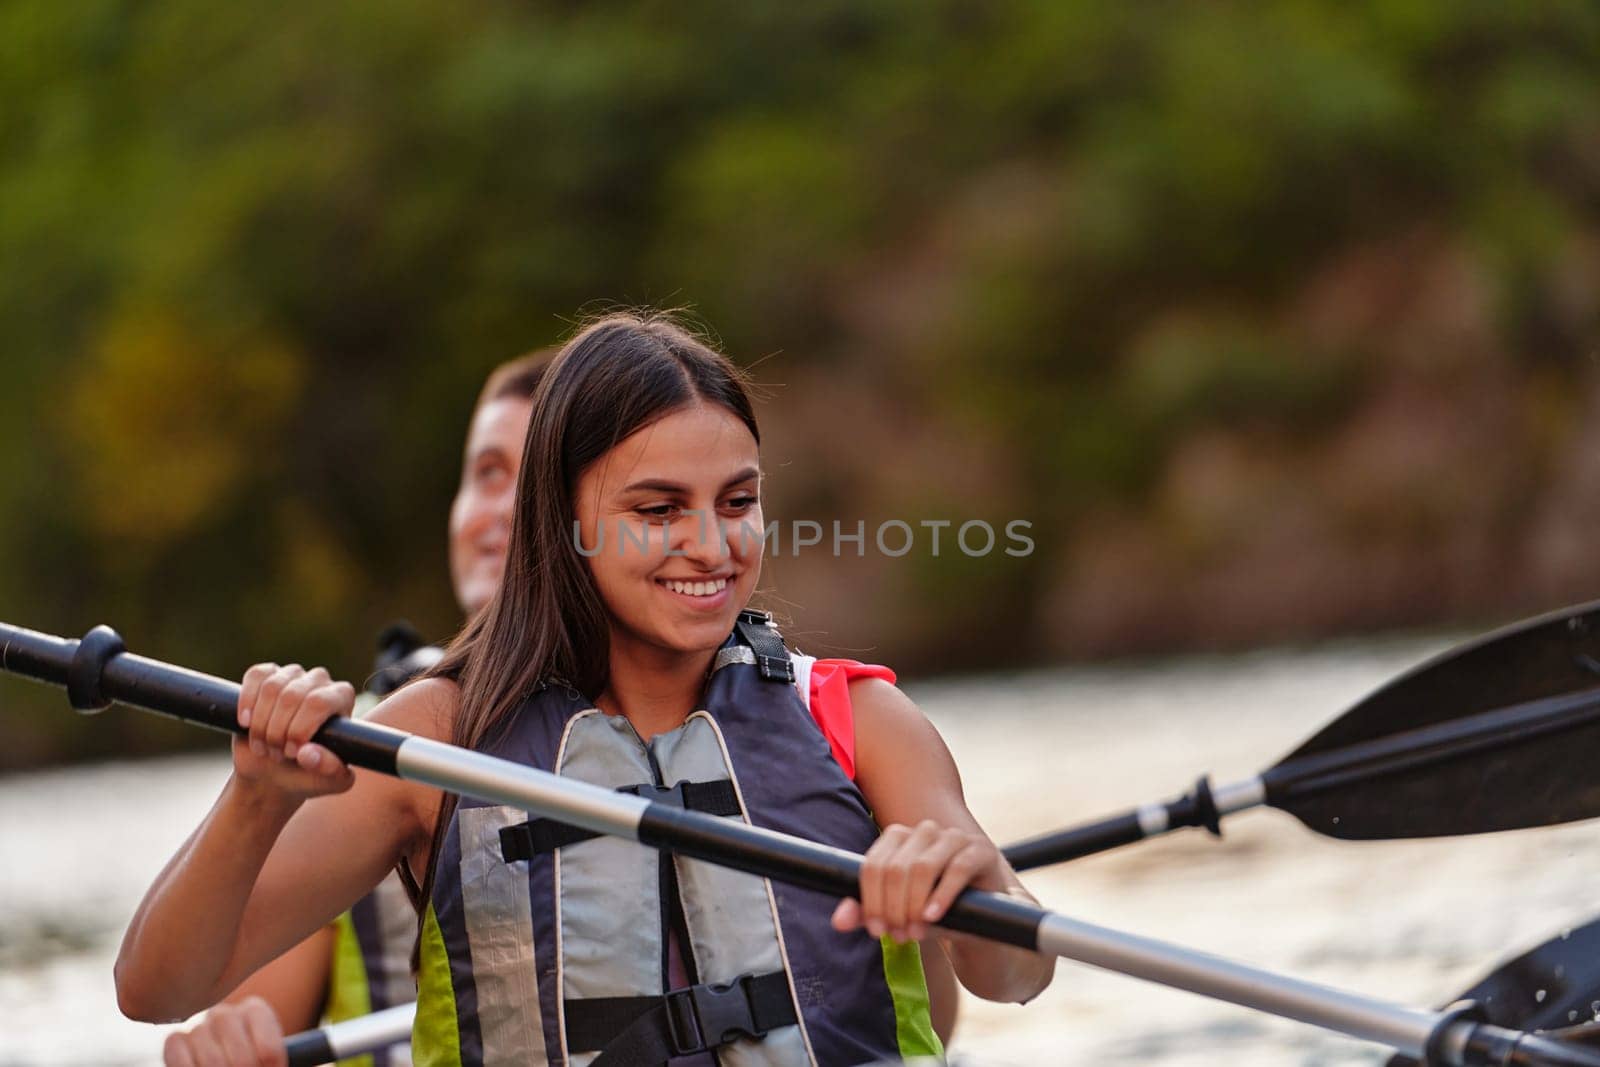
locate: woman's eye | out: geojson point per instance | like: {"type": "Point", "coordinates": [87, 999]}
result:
{"type": "Point", "coordinates": [742, 503]}
{"type": "Point", "coordinates": [659, 511]}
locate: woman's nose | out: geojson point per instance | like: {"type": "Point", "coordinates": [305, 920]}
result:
{"type": "Point", "coordinates": [701, 537]}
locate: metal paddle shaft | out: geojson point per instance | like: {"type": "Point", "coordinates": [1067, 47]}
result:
{"type": "Point", "coordinates": [1490, 735]}
{"type": "Point", "coordinates": [1442, 1037]}
{"type": "Point", "coordinates": [355, 1037]}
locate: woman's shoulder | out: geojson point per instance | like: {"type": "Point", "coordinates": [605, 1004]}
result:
{"type": "Point", "coordinates": [426, 707]}
{"type": "Point", "coordinates": [884, 718]}
{"type": "Point", "coordinates": [874, 696]}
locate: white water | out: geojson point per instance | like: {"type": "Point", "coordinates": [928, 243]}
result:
{"type": "Point", "coordinates": [1409, 921]}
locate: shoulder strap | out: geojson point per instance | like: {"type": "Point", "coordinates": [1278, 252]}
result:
{"type": "Point", "coordinates": [757, 630]}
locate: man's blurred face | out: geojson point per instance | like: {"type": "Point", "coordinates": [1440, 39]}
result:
{"type": "Point", "coordinates": [480, 517]}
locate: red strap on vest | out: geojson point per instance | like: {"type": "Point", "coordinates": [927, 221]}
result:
{"type": "Point", "coordinates": [830, 704]}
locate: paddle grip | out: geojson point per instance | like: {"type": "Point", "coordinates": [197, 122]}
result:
{"type": "Point", "coordinates": [1075, 842]}
{"type": "Point", "coordinates": [308, 1049]}
{"type": "Point", "coordinates": [97, 671]}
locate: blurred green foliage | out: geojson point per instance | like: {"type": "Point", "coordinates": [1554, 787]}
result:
{"type": "Point", "coordinates": [256, 262]}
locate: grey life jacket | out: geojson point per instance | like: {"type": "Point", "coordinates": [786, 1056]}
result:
{"type": "Point", "coordinates": [546, 945]}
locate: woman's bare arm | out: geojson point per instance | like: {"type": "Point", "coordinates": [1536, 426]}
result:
{"type": "Point", "coordinates": [248, 1028]}
{"type": "Point", "coordinates": [931, 847]}
{"type": "Point", "coordinates": [268, 866]}
{"type": "Point", "coordinates": [295, 984]}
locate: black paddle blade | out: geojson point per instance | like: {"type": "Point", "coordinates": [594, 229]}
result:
{"type": "Point", "coordinates": [1474, 764]}
{"type": "Point", "coordinates": [1587, 1035]}
{"type": "Point", "coordinates": [1556, 985]}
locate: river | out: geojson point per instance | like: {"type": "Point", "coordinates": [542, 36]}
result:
{"type": "Point", "coordinates": [1408, 921]}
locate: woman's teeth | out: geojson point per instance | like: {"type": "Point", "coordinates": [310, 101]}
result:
{"type": "Point", "coordinates": [697, 588]}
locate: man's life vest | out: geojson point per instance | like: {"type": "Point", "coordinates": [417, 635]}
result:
{"type": "Point", "coordinates": [371, 965]}
{"type": "Point", "coordinates": [547, 945]}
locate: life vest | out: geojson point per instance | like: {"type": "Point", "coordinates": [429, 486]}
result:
{"type": "Point", "coordinates": [544, 945]}
{"type": "Point", "coordinates": [371, 965]}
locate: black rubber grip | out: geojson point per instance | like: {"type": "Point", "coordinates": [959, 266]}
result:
{"type": "Point", "coordinates": [310, 1049]}
{"type": "Point", "coordinates": [1072, 844]}
{"type": "Point", "coordinates": [97, 671]}
{"type": "Point", "coordinates": [43, 657]}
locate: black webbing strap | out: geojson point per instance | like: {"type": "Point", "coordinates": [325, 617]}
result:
{"type": "Point", "coordinates": [772, 658]}
{"type": "Point", "coordinates": [648, 1031]}
{"type": "Point", "coordinates": [538, 837]}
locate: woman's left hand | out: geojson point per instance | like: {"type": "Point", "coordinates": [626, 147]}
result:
{"type": "Point", "coordinates": [911, 875]}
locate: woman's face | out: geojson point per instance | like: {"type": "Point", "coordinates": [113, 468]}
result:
{"type": "Point", "coordinates": [480, 516]}
{"type": "Point", "coordinates": [671, 526]}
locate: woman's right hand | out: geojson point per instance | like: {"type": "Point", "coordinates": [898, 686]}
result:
{"type": "Point", "coordinates": [245, 1034]}
{"type": "Point", "coordinates": [283, 707]}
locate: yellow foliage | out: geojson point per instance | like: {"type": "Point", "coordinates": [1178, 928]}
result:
{"type": "Point", "coordinates": [166, 420]}
{"type": "Point", "coordinates": [313, 564]}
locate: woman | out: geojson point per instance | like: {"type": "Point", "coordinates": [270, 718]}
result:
{"type": "Point", "coordinates": [615, 651]}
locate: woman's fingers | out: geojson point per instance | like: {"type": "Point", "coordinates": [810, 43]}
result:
{"type": "Point", "coordinates": [922, 872]}
{"type": "Point", "coordinates": [232, 1035]}
{"type": "Point", "coordinates": [291, 709]}
{"type": "Point", "coordinates": [910, 877]}
{"type": "Point", "coordinates": [875, 867]}
{"type": "Point", "coordinates": [320, 700]}
{"type": "Point", "coordinates": [918, 846]}
{"type": "Point", "coordinates": [175, 1051]}
{"type": "Point", "coordinates": [285, 706]}
{"type": "Point", "coordinates": [268, 723]}
{"type": "Point", "coordinates": [205, 1048]}
{"type": "Point", "coordinates": [265, 1033]}
{"type": "Point", "coordinates": [978, 859]}
{"type": "Point", "coordinates": [246, 1034]}
{"type": "Point", "coordinates": [250, 689]}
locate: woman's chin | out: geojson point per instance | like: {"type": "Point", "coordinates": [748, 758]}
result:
{"type": "Point", "coordinates": [693, 637]}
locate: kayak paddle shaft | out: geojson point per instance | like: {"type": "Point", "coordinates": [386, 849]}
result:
{"type": "Point", "coordinates": [1451, 1037]}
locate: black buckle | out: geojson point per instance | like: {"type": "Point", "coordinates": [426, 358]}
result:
{"type": "Point", "coordinates": [705, 1017]}
{"type": "Point", "coordinates": [670, 795]}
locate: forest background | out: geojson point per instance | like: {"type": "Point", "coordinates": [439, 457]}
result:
{"type": "Point", "coordinates": [1275, 320]}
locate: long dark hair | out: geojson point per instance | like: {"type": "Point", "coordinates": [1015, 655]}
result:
{"type": "Point", "coordinates": [547, 622]}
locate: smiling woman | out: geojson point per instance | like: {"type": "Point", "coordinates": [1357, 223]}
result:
{"type": "Point", "coordinates": [638, 670]}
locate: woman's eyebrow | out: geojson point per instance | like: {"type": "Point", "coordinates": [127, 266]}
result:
{"type": "Point", "coordinates": [743, 476]}
{"type": "Point", "coordinates": [660, 485]}
{"type": "Point", "coordinates": [655, 485]}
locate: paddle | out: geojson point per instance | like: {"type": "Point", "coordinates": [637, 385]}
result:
{"type": "Point", "coordinates": [96, 671]}
{"type": "Point", "coordinates": [1553, 985]}
{"type": "Point", "coordinates": [1495, 734]}
{"type": "Point", "coordinates": [354, 1037]}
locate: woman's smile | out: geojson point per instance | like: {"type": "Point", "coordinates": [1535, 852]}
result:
{"type": "Point", "coordinates": [703, 594]}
